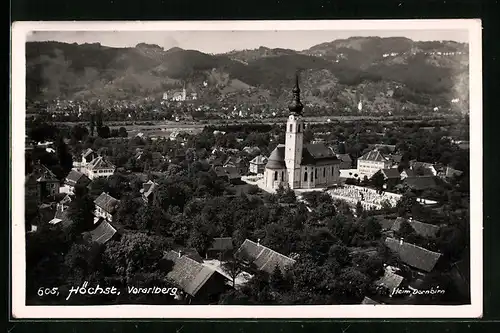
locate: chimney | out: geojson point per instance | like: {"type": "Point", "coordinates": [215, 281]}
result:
{"type": "Point", "coordinates": [258, 242]}
{"type": "Point", "coordinates": [180, 253]}
{"type": "Point", "coordinates": [401, 241]}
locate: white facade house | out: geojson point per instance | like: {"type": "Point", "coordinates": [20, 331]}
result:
{"type": "Point", "coordinates": [296, 165]}
{"type": "Point", "coordinates": [105, 207]}
{"type": "Point", "coordinates": [371, 162]}
{"type": "Point", "coordinates": [99, 168]}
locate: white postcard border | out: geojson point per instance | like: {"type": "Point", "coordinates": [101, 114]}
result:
{"type": "Point", "coordinates": [20, 30]}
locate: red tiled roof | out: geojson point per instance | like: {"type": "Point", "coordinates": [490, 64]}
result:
{"type": "Point", "coordinates": [423, 229]}
{"type": "Point", "coordinates": [102, 233]}
{"type": "Point", "coordinates": [373, 155]}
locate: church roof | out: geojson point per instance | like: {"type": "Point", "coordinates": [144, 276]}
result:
{"type": "Point", "coordinates": [317, 153]}
{"type": "Point", "coordinates": [277, 158]}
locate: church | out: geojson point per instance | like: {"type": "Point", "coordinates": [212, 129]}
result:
{"type": "Point", "coordinates": [298, 166]}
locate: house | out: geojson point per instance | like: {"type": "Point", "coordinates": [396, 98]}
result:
{"type": "Point", "coordinates": [147, 190]}
{"type": "Point", "coordinates": [230, 174]}
{"type": "Point", "coordinates": [390, 280]}
{"type": "Point", "coordinates": [188, 252]}
{"type": "Point", "coordinates": [448, 173]}
{"type": "Point", "coordinates": [371, 162]}
{"type": "Point", "coordinates": [395, 159]}
{"type": "Point", "coordinates": [298, 165]}
{"type": "Point", "coordinates": [74, 179]}
{"type": "Point", "coordinates": [422, 168]}
{"type": "Point", "coordinates": [105, 207]}
{"type": "Point", "coordinates": [41, 183]}
{"type": "Point", "coordinates": [262, 258]}
{"type": "Point", "coordinates": [422, 229]}
{"type": "Point", "coordinates": [199, 283]}
{"type": "Point", "coordinates": [391, 176]}
{"type": "Point", "coordinates": [258, 164]}
{"type": "Point", "coordinates": [221, 248]}
{"type": "Point", "coordinates": [236, 162]}
{"type": "Point", "coordinates": [103, 233]}
{"type": "Point", "coordinates": [413, 255]}
{"type": "Point", "coordinates": [86, 157]}
{"type": "Point", "coordinates": [345, 161]}
{"type": "Point", "coordinates": [99, 167]}
{"type": "Point", "coordinates": [62, 216]}
{"type": "Point", "coordinates": [420, 183]}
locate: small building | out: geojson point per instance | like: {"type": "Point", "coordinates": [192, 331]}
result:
{"type": "Point", "coordinates": [262, 258]}
{"type": "Point", "coordinates": [390, 280]}
{"type": "Point", "coordinates": [371, 162]}
{"type": "Point", "coordinates": [221, 248]}
{"type": "Point", "coordinates": [103, 233]}
{"type": "Point", "coordinates": [99, 167]}
{"type": "Point", "coordinates": [449, 172]}
{"type": "Point", "coordinates": [345, 161]}
{"type": "Point", "coordinates": [391, 176]}
{"type": "Point", "coordinates": [199, 283]}
{"type": "Point", "coordinates": [236, 162]}
{"type": "Point", "coordinates": [41, 183]}
{"type": "Point", "coordinates": [422, 229]}
{"type": "Point", "coordinates": [258, 164]}
{"type": "Point", "coordinates": [229, 174]}
{"type": "Point", "coordinates": [423, 169]}
{"type": "Point", "coordinates": [105, 207]}
{"type": "Point", "coordinates": [420, 183]}
{"type": "Point", "coordinates": [76, 179]}
{"type": "Point", "coordinates": [62, 216]}
{"type": "Point", "coordinates": [147, 191]}
{"type": "Point", "coordinates": [412, 255]}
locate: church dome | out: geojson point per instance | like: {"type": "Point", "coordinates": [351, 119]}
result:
{"type": "Point", "coordinates": [277, 158]}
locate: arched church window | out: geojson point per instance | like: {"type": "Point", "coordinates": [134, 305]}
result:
{"type": "Point", "coordinates": [298, 128]}
{"type": "Point", "coordinates": [275, 175]}
{"type": "Point", "coordinates": [282, 175]}
{"type": "Point", "coordinates": [332, 170]}
{"type": "Point", "coordinates": [324, 172]}
{"type": "Point", "coordinates": [291, 127]}
{"type": "Point", "coordinates": [305, 176]}
{"type": "Point", "coordinates": [315, 173]}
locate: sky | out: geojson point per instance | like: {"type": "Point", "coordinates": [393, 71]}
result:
{"type": "Point", "coordinates": [225, 41]}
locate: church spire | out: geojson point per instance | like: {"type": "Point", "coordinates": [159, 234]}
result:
{"type": "Point", "coordinates": [296, 106]}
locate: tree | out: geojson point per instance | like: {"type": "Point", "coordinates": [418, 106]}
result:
{"type": "Point", "coordinates": [126, 212]}
{"type": "Point", "coordinates": [406, 203]}
{"type": "Point", "coordinates": [233, 267]}
{"type": "Point", "coordinates": [285, 195]}
{"type": "Point", "coordinates": [378, 181]}
{"type": "Point", "coordinates": [64, 156]}
{"type": "Point", "coordinates": [122, 132]}
{"type": "Point", "coordinates": [81, 213]}
{"type": "Point", "coordinates": [359, 209]}
{"type": "Point", "coordinates": [78, 133]}
{"type": "Point", "coordinates": [103, 132]}
{"type": "Point", "coordinates": [92, 124]}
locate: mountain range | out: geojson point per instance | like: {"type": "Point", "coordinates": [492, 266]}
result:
{"type": "Point", "coordinates": [381, 72]}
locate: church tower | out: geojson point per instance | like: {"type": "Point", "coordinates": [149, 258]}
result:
{"type": "Point", "coordinates": [294, 138]}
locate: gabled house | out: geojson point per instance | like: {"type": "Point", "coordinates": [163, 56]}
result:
{"type": "Point", "coordinates": [345, 161]}
{"type": "Point", "coordinates": [391, 176]}
{"type": "Point", "coordinates": [236, 162]}
{"type": "Point", "coordinates": [371, 162]}
{"type": "Point", "coordinates": [390, 280]}
{"type": "Point", "coordinates": [422, 229]}
{"type": "Point", "coordinates": [198, 282]}
{"type": "Point", "coordinates": [420, 183]}
{"type": "Point", "coordinates": [230, 174]}
{"type": "Point", "coordinates": [262, 258]}
{"type": "Point", "coordinates": [41, 183]}
{"type": "Point", "coordinates": [147, 191]}
{"type": "Point", "coordinates": [258, 164]}
{"type": "Point", "coordinates": [76, 179]}
{"type": "Point", "coordinates": [412, 255]}
{"type": "Point", "coordinates": [105, 207]}
{"type": "Point", "coordinates": [103, 233]}
{"type": "Point", "coordinates": [99, 168]}
{"type": "Point", "coordinates": [423, 169]}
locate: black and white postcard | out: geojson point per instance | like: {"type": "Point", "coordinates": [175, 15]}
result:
{"type": "Point", "coordinates": [247, 169]}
